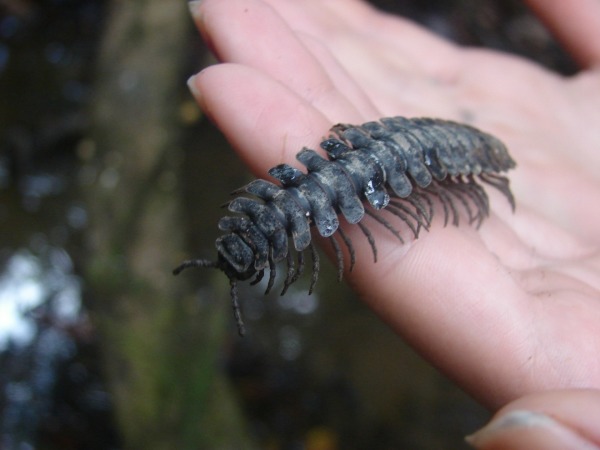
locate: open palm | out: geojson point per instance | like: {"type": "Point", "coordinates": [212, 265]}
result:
{"type": "Point", "coordinates": [506, 310]}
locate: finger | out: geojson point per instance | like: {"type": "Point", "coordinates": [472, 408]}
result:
{"type": "Point", "coordinates": [264, 121]}
{"type": "Point", "coordinates": [249, 32]}
{"type": "Point", "coordinates": [575, 24]}
{"type": "Point", "coordinates": [401, 66]}
{"type": "Point", "coordinates": [549, 420]}
{"type": "Point", "coordinates": [344, 81]}
{"type": "Point", "coordinates": [348, 24]}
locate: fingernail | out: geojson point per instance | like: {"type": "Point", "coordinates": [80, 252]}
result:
{"type": "Point", "coordinates": [198, 96]}
{"type": "Point", "coordinates": [194, 6]}
{"type": "Point", "coordinates": [526, 430]}
{"type": "Point", "coordinates": [191, 82]}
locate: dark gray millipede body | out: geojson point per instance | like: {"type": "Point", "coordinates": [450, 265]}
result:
{"type": "Point", "coordinates": [396, 164]}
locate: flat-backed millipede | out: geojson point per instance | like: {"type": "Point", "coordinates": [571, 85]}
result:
{"type": "Point", "coordinates": [395, 164]}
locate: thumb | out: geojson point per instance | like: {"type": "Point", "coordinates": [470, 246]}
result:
{"type": "Point", "coordinates": [566, 419]}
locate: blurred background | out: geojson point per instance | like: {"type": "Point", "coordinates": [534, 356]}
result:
{"type": "Point", "coordinates": [109, 177]}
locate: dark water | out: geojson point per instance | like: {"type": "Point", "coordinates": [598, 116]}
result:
{"type": "Point", "coordinates": [305, 378]}
{"type": "Point", "coordinates": [51, 392]}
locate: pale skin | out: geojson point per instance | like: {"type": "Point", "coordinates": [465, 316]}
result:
{"type": "Point", "coordinates": [510, 311]}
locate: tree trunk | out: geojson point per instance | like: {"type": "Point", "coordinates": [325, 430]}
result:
{"type": "Point", "coordinates": [160, 351]}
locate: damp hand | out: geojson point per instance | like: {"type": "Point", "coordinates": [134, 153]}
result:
{"type": "Point", "coordinates": [506, 310]}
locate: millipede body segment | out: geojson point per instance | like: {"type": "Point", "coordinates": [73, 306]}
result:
{"type": "Point", "coordinates": [397, 165]}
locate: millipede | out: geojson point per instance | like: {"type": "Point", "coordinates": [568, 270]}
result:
{"type": "Point", "coordinates": [396, 164]}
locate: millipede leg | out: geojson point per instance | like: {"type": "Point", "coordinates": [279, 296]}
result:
{"type": "Point", "coordinates": [259, 277]}
{"type": "Point", "coordinates": [385, 223]}
{"type": "Point", "coordinates": [237, 313]}
{"type": "Point", "coordinates": [415, 200]}
{"type": "Point", "coordinates": [316, 267]}
{"type": "Point", "coordinates": [483, 197]}
{"type": "Point", "coordinates": [272, 274]}
{"type": "Point", "coordinates": [370, 238]}
{"type": "Point", "coordinates": [419, 218]}
{"type": "Point", "coordinates": [289, 279]}
{"type": "Point", "coordinates": [444, 203]}
{"type": "Point", "coordinates": [455, 215]}
{"type": "Point", "coordinates": [457, 192]}
{"type": "Point", "coordinates": [400, 212]}
{"type": "Point", "coordinates": [300, 269]}
{"type": "Point", "coordinates": [501, 183]}
{"type": "Point", "coordinates": [479, 199]}
{"type": "Point", "coordinates": [447, 204]}
{"type": "Point", "coordinates": [349, 246]}
{"type": "Point", "coordinates": [339, 256]}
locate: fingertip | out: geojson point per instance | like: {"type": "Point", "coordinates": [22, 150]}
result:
{"type": "Point", "coordinates": [528, 430]}
{"type": "Point", "coordinates": [191, 82]}
{"type": "Point", "coordinates": [562, 419]}
{"type": "Point", "coordinates": [194, 85]}
{"type": "Point", "coordinates": [194, 6]}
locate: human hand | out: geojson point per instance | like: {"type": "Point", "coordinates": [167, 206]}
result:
{"type": "Point", "coordinates": [506, 310]}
